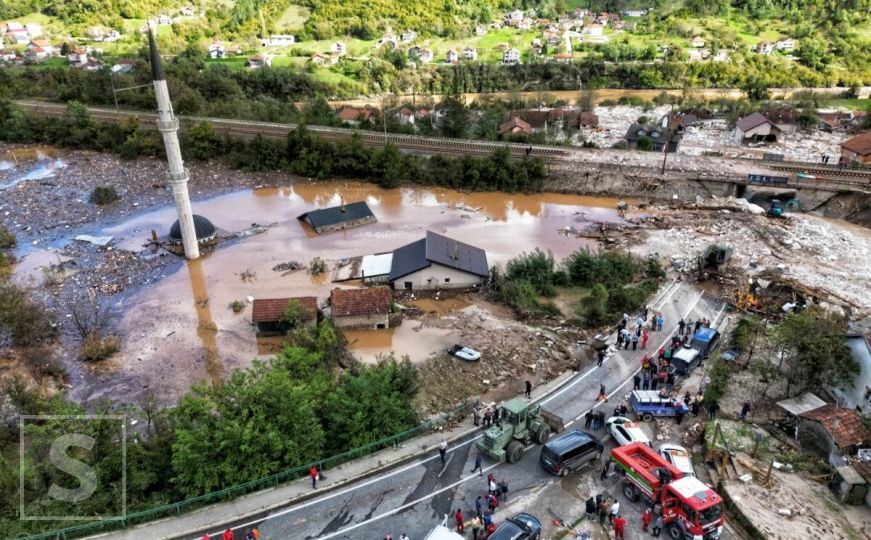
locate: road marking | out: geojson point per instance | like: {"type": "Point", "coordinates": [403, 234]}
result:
{"type": "Point", "coordinates": [445, 467]}
{"type": "Point", "coordinates": [407, 505]}
{"type": "Point", "coordinates": [379, 478]}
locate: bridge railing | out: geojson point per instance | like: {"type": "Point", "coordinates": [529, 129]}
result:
{"type": "Point", "coordinates": [178, 508]}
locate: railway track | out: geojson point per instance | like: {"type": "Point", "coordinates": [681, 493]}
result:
{"type": "Point", "coordinates": [820, 170]}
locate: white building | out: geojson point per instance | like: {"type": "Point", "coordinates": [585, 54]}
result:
{"type": "Point", "coordinates": [470, 53]}
{"type": "Point", "coordinates": [34, 30]}
{"type": "Point", "coordinates": [164, 20]}
{"type": "Point", "coordinates": [451, 56]}
{"type": "Point", "coordinates": [634, 12]}
{"type": "Point", "coordinates": [697, 42]}
{"type": "Point", "coordinates": [260, 60]}
{"type": "Point", "coordinates": [217, 50]}
{"type": "Point", "coordinates": [756, 128]}
{"type": "Point", "coordinates": [77, 57]}
{"type": "Point", "coordinates": [511, 57]}
{"type": "Point", "coordinates": [408, 36]}
{"type": "Point", "coordinates": [338, 48]}
{"type": "Point", "coordinates": [857, 395]}
{"type": "Point", "coordinates": [278, 40]}
{"type": "Point", "coordinates": [515, 16]}
{"type": "Point", "coordinates": [787, 44]}
{"type": "Point", "coordinates": [481, 30]}
{"type": "Point", "coordinates": [593, 30]}
{"type": "Point", "coordinates": [438, 262]}
{"type": "Point", "coordinates": [425, 55]}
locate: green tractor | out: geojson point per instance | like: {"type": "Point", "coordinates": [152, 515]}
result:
{"type": "Point", "coordinates": [520, 424]}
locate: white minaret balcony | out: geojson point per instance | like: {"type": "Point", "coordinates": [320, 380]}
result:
{"type": "Point", "coordinates": [167, 125]}
{"type": "Point", "coordinates": [181, 177]}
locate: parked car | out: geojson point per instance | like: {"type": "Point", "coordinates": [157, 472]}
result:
{"type": "Point", "coordinates": [465, 353]}
{"type": "Point", "coordinates": [520, 527]}
{"type": "Point", "coordinates": [625, 431]}
{"type": "Point", "coordinates": [679, 457]}
{"type": "Point", "coordinates": [570, 451]}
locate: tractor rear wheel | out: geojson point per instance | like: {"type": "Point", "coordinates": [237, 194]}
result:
{"type": "Point", "coordinates": [630, 492]}
{"type": "Point", "coordinates": [514, 452]}
{"type": "Point", "coordinates": [675, 532]}
{"type": "Point", "coordinates": [542, 434]}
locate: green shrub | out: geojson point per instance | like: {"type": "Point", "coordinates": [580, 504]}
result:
{"type": "Point", "coordinates": [317, 266]}
{"type": "Point", "coordinates": [96, 348]}
{"type": "Point", "coordinates": [7, 239]}
{"type": "Point", "coordinates": [103, 195]}
{"type": "Point", "coordinates": [237, 306]}
{"type": "Point", "coordinates": [24, 319]}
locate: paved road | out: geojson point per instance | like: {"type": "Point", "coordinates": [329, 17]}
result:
{"type": "Point", "coordinates": [413, 498]}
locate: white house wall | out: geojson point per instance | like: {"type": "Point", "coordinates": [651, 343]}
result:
{"type": "Point", "coordinates": [853, 396]}
{"type": "Point", "coordinates": [438, 273]}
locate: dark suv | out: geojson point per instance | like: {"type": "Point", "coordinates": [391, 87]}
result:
{"type": "Point", "coordinates": [519, 527]}
{"type": "Point", "coordinates": [570, 451]}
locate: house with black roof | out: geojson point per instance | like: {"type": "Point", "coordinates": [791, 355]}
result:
{"type": "Point", "coordinates": [438, 262]}
{"type": "Point", "coordinates": [338, 218]}
{"type": "Point", "coordinates": [658, 136]}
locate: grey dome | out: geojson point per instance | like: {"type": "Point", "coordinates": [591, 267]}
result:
{"type": "Point", "coordinates": [203, 227]}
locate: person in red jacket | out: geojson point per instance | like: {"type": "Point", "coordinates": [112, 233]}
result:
{"type": "Point", "coordinates": [646, 518]}
{"type": "Point", "coordinates": [459, 517]}
{"type": "Point", "coordinates": [206, 537]}
{"type": "Point", "coordinates": [313, 472]}
{"type": "Point", "coordinates": [619, 527]}
{"type": "Point", "coordinates": [228, 534]}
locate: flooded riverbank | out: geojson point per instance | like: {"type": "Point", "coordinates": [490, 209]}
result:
{"type": "Point", "coordinates": [180, 329]}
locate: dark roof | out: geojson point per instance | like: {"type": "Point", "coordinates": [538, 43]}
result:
{"type": "Point", "coordinates": [569, 439]}
{"type": "Point", "coordinates": [849, 429]}
{"type": "Point", "coordinates": [656, 134]}
{"type": "Point", "coordinates": [438, 249]}
{"type": "Point", "coordinates": [355, 302]}
{"type": "Point", "coordinates": [156, 66]}
{"type": "Point", "coordinates": [783, 115]}
{"type": "Point", "coordinates": [861, 144]}
{"type": "Point", "coordinates": [203, 227]}
{"type": "Point", "coordinates": [536, 119]}
{"type": "Point", "coordinates": [589, 119]}
{"type": "Point", "coordinates": [751, 121]}
{"type": "Point", "coordinates": [325, 217]}
{"type": "Point", "coordinates": [514, 123]}
{"type": "Point", "coordinates": [272, 309]}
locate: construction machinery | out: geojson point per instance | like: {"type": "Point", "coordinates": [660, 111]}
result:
{"type": "Point", "coordinates": [519, 424]}
{"type": "Point", "coordinates": [776, 209]}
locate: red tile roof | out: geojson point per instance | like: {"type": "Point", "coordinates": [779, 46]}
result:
{"type": "Point", "coordinates": [355, 113]}
{"type": "Point", "coordinates": [861, 144]}
{"type": "Point", "coordinates": [849, 429]}
{"type": "Point", "coordinates": [267, 310]}
{"type": "Point", "coordinates": [514, 125]}
{"type": "Point", "coordinates": [355, 302]}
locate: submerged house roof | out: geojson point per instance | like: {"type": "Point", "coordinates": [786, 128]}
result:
{"type": "Point", "coordinates": [339, 217]}
{"type": "Point", "coordinates": [438, 249]}
{"type": "Point", "coordinates": [358, 302]}
{"type": "Point", "coordinates": [268, 310]}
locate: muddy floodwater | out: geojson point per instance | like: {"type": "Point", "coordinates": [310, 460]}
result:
{"type": "Point", "coordinates": [181, 329]}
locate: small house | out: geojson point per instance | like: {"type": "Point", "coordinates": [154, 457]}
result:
{"type": "Point", "coordinates": [832, 432]}
{"type": "Point", "coordinates": [515, 126]}
{"type": "Point", "coordinates": [361, 308]}
{"type": "Point", "coordinates": [324, 59]}
{"type": "Point", "coordinates": [259, 61]}
{"type": "Point", "coordinates": [552, 38]}
{"type": "Point", "coordinates": [164, 20]}
{"type": "Point", "coordinates": [408, 36]}
{"type": "Point", "coordinates": [388, 39]}
{"type": "Point", "coordinates": [515, 16]}
{"type": "Point", "coordinates": [511, 57]}
{"type": "Point", "coordinates": [786, 44]}
{"type": "Point", "coordinates": [17, 37]}
{"type": "Point", "coordinates": [338, 218]}
{"type": "Point", "coordinates": [355, 115]}
{"type": "Point", "coordinates": [112, 36]}
{"type": "Point", "coordinates": [784, 118]}
{"type": "Point", "coordinates": [45, 45]}
{"type": "Point", "coordinates": [857, 149]}
{"type": "Point", "coordinates": [437, 262]}
{"type": "Point", "coordinates": [96, 33]}
{"type": "Point", "coordinates": [405, 117]}
{"type": "Point", "coordinates": [470, 53]}
{"type": "Point", "coordinates": [480, 30]}
{"type": "Point", "coordinates": [338, 48]}
{"type": "Point", "coordinates": [268, 313]}
{"type": "Point", "coordinates": [697, 42]}
{"type": "Point", "coordinates": [124, 65]}
{"type": "Point", "coordinates": [7, 55]}
{"type": "Point", "coordinates": [186, 11]}
{"type": "Point", "coordinates": [525, 24]}
{"type": "Point", "coordinates": [451, 57]}
{"type": "Point", "coordinates": [537, 120]}
{"type": "Point", "coordinates": [754, 128]}
{"type": "Point", "coordinates": [280, 40]}
{"type": "Point", "coordinates": [634, 12]}
{"type": "Point", "coordinates": [764, 47]}
{"type": "Point", "coordinates": [658, 137]}
{"type": "Point", "coordinates": [217, 50]}
{"type": "Point", "coordinates": [564, 58]}
{"type": "Point", "coordinates": [34, 30]}
{"type": "Point", "coordinates": [425, 55]}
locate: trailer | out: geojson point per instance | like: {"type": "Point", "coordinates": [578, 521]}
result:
{"type": "Point", "coordinates": [691, 510]}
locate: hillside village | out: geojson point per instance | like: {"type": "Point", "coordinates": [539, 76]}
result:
{"type": "Point", "coordinates": [519, 37]}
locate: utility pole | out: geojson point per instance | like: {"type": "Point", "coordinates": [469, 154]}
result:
{"type": "Point", "coordinates": [668, 133]}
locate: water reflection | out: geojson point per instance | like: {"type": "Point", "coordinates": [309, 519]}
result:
{"type": "Point", "coordinates": [207, 330]}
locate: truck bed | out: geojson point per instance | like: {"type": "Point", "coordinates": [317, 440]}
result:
{"type": "Point", "coordinates": [641, 463]}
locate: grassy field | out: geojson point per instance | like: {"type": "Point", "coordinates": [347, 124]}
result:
{"type": "Point", "coordinates": [293, 18]}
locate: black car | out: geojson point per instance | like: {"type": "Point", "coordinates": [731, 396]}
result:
{"type": "Point", "coordinates": [570, 451]}
{"type": "Point", "coordinates": [520, 527]}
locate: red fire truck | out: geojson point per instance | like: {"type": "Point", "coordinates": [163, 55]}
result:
{"type": "Point", "coordinates": [690, 509]}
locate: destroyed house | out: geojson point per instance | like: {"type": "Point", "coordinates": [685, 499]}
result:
{"type": "Point", "coordinates": [438, 262]}
{"type": "Point", "coordinates": [833, 432]}
{"type": "Point", "coordinates": [267, 313]}
{"type": "Point", "coordinates": [337, 218]}
{"type": "Point", "coordinates": [659, 137]}
{"type": "Point", "coordinates": [361, 308]}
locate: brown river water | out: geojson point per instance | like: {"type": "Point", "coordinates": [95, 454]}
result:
{"type": "Point", "coordinates": [180, 329]}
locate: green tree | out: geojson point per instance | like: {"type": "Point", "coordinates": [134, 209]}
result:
{"type": "Point", "coordinates": [201, 142]}
{"type": "Point", "coordinates": [456, 122]}
{"type": "Point", "coordinates": [389, 166]}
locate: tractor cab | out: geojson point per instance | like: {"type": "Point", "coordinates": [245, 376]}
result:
{"type": "Point", "coordinates": [776, 208]}
{"type": "Point", "coordinates": [519, 425]}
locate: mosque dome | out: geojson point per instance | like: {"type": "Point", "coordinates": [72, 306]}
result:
{"type": "Point", "coordinates": [203, 227]}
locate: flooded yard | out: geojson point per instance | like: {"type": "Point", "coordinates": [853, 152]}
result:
{"type": "Point", "coordinates": [180, 329]}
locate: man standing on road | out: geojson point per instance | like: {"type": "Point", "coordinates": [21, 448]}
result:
{"type": "Point", "coordinates": [680, 326]}
{"type": "Point", "coordinates": [605, 469]}
{"type": "Point", "coordinates": [479, 506]}
{"type": "Point", "coordinates": [602, 396]}
{"type": "Point", "coordinates": [503, 489]}
{"type": "Point", "coordinates": [476, 415]}
{"type": "Point", "coordinates": [313, 472]}
{"type": "Point", "coordinates": [443, 450]}
{"type": "Point", "coordinates": [459, 517]}
{"type": "Point", "coordinates": [646, 518]}
{"type": "Point", "coordinates": [619, 527]}
{"type": "Point", "coordinates": [478, 465]}
{"type": "Point", "coordinates": [476, 527]}
{"type": "Point", "coordinates": [745, 410]}
{"type": "Point", "coordinates": [528, 389]}
{"type": "Point", "coordinates": [228, 534]}
{"type": "Point", "coordinates": [634, 338]}
{"type": "Point", "coordinates": [588, 419]}
{"type": "Point", "coordinates": [713, 408]}
{"type": "Point", "coordinates": [615, 510]}
{"type": "Point", "coordinates": [657, 525]}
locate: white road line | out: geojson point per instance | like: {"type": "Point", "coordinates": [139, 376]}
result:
{"type": "Point", "coordinates": [379, 478]}
{"type": "Point", "coordinates": [406, 505]}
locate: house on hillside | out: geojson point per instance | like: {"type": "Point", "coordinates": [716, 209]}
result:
{"type": "Point", "coordinates": [408, 36]}
{"type": "Point", "coordinates": [659, 137]}
{"type": "Point", "coordinates": [754, 128]}
{"type": "Point", "coordinates": [764, 47]}
{"type": "Point", "coordinates": [112, 36]}
{"type": "Point", "coordinates": [438, 262]}
{"type": "Point", "coordinates": [279, 40]}
{"type": "Point", "coordinates": [338, 48]}
{"type": "Point", "coordinates": [515, 126]}
{"type": "Point", "coordinates": [260, 61]}
{"type": "Point", "coordinates": [833, 433]}
{"type": "Point", "coordinates": [77, 57]}
{"type": "Point", "coordinates": [634, 12]}
{"type": "Point", "coordinates": [325, 59]}
{"type": "Point", "coordinates": [186, 11]}
{"type": "Point", "coordinates": [480, 30]}
{"type": "Point", "coordinates": [217, 50]}
{"type": "Point", "coordinates": [34, 30]}
{"type": "Point", "coordinates": [857, 149]}
{"type": "Point", "coordinates": [267, 313]}
{"type": "Point", "coordinates": [337, 218]}
{"type": "Point", "coordinates": [515, 17]}
{"type": "Point", "coordinates": [164, 20]}
{"type": "Point", "coordinates": [511, 57]}
{"type": "Point", "coordinates": [425, 55]}
{"type": "Point", "coordinates": [355, 115]}
{"type": "Point", "coordinates": [537, 120]}
{"type": "Point", "coordinates": [697, 42]}
{"type": "Point", "coordinates": [361, 308]}
{"type": "Point", "coordinates": [593, 30]}
{"type": "Point", "coordinates": [405, 117]}
{"type": "Point", "coordinates": [552, 38]}
{"type": "Point", "coordinates": [785, 118]}
{"type": "Point", "coordinates": [563, 58]}
{"type": "Point", "coordinates": [786, 44]}
{"type": "Point", "coordinates": [451, 56]}
{"type": "Point", "coordinates": [45, 45]}
{"type": "Point", "coordinates": [96, 33]}
{"type": "Point", "coordinates": [7, 55]}
{"type": "Point", "coordinates": [125, 65]}
{"type": "Point", "coordinates": [388, 39]}
{"type": "Point", "coordinates": [470, 53]}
